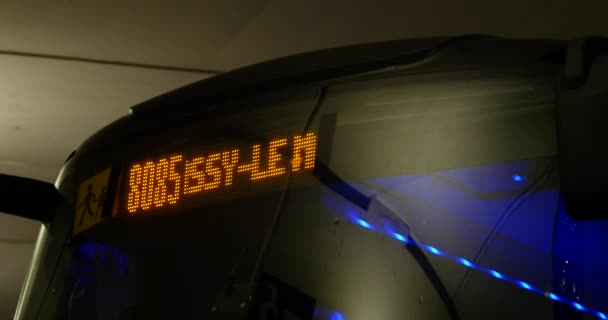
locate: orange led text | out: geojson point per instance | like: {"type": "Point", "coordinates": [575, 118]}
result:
{"type": "Point", "coordinates": [164, 181]}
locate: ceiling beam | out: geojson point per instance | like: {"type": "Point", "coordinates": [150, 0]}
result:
{"type": "Point", "coordinates": [108, 62]}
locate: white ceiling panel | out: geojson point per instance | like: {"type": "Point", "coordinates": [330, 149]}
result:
{"type": "Point", "coordinates": [48, 107]}
{"type": "Point", "coordinates": [222, 35]}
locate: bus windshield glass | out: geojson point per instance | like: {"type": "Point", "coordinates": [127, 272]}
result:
{"type": "Point", "coordinates": [390, 196]}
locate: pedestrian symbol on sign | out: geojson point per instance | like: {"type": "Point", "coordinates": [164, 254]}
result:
{"type": "Point", "coordinates": [91, 200]}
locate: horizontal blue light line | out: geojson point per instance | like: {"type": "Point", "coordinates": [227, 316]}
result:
{"type": "Point", "coordinates": [554, 297]}
{"type": "Point", "coordinates": [400, 237]}
{"type": "Point", "coordinates": [496, 274]}
{"type": "Point", "coordinates": [578, 306]}
{"type": "Point", "coordinates": [363, 223]}
{"type": "Point", "coordinates": [524, 285]}
{"type": "Point", "coordinates": [491, 272]}
{"type": "Point", "coordinates": [465, 262]}
{"type": "Point", "coordinates": [433, 250]}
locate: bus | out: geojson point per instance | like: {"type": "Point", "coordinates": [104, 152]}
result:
{"type": "Point", "coordinates": [437, 178]}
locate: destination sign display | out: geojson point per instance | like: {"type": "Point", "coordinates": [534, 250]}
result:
{"type": "Point", "coordinates": [167, 180]}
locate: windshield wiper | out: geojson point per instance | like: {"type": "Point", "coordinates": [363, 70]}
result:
{"type": "Point", "coordinates": [347, 191]}
{"type": "Point", "coordinates": [328, 178]}
{"type": "Point", "coordinates": [350, 193]}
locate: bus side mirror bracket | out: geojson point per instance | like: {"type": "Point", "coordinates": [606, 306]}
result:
{"type": "Point", "coordinates": [28, 198]}
{"type": "Point", "coordinates": [582, 128]}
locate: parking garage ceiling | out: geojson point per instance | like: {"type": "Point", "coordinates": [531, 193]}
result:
{"type": "Point", "coordinates": [68, 67]}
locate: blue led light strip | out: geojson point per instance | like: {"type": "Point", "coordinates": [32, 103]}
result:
{"type": "Point", "coordinates": [487, 271]}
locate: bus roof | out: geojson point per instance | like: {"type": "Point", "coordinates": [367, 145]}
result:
{"type": "Point", "coordinates": [324, 65]}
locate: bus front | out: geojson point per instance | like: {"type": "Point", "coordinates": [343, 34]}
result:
{"type": "Point", "coordinates": [420, 190]}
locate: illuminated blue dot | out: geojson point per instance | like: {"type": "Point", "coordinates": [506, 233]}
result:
{"type": "Point", "coordinates": [434, 250]}
{"type": "Point", "coordinates": [496, 274]}
{"type": "Point", "coordinates": [578, 306]}
{"type": "Point", "coordinates": [399, 237]}
{"type": "Point", "coordinates": [554, 297]}
{"type": "Point", "coordinates": [335, 315]}
{"type": "Point", "coordinates": [465, 262]}
{"type": "Point", "coordinates": [363, 223]}
{"type": "Point", "coordinates": [518, 178]}
{"type": "Point", "coordinates": [524, 285]}
{"type": "Point", "coordinates": [601, 315]}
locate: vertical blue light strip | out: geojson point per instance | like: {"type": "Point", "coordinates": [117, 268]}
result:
{"type": "Point", "coordinates": [490, 272]}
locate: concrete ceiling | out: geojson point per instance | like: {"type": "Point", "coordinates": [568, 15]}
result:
{"type": "Point", "coordinates": [222, 35]}
{"type": "Point", "coordinates": [49, 105]}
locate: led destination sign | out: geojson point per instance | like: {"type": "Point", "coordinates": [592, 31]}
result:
{"type": "Point", "coordinates": [166, 180]}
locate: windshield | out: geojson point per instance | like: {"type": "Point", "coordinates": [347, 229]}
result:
{"type": "Point", "coordinates": [429, 196]}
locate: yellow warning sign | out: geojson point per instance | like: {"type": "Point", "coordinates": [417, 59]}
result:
{"type": "Point", "coordinates": [90, 201]}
